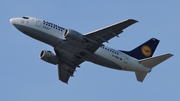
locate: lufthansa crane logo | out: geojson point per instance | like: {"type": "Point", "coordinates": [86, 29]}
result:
{"type": "Point", "coordinates": [146, 50]}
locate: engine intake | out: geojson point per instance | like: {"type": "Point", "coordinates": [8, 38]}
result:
{"type": "Point", "coordinates": [73, 35]}
{"type": "Point", "coordinates": [49, 57]}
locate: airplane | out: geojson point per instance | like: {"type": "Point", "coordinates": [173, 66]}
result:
{"type": "Point", "coordinates": [72, 48]}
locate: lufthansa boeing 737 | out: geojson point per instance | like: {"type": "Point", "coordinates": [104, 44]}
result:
{"type": "Point", "coordinates": [72, 48]}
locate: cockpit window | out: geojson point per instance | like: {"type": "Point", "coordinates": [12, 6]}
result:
{"type": "Point", "coordinates": [25, 17]}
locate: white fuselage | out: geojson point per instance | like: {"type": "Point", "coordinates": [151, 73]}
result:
{"type": "Point", "coordinates": [54, 35]}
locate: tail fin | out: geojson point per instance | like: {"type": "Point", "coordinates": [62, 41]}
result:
{"type": "Point", "coordinates": [145, 50]}
{"type": "Point", "coordinates": [150, 63]}
{"type": "Point", "coordinates": [140, 76]}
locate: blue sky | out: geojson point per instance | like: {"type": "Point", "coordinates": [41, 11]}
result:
{"type": "Point", "coordinates": [25, 77]}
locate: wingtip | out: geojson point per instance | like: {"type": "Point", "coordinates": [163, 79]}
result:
{"type": "Point", "coordinates": [133, 20]}
{"type": "Point", "coordinates": [171, 54]}
{"type": "Point", "coordinates": [66, 82]}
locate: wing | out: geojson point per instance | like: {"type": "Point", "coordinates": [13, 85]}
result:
{"type": "Point", "coordinates": [65, 71]}
{"type": "Point", "coordinates": [67, 65]}
{"type": "Point", "coordinates": [105, 34]}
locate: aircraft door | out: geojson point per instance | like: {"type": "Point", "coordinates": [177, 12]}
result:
{"type": "Point", "coordinates": [38, 22]}
{"type": "Point", "coordinates": [125, 58]}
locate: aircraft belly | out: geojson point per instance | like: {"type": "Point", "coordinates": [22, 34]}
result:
{"type": "Point", "coordinates": [104, 62]}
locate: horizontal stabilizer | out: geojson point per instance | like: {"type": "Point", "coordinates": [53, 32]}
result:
{"type": "Point", "coordinates": [153, 61]}
{"type": "Point", "coordinates": [140, 76]}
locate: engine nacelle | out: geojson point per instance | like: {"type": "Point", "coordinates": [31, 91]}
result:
{"type": "Point", "coordinates": [73, 35]}
{"type": "Point", "coordinates": [49, 57]}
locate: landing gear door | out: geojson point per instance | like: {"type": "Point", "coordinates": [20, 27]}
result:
{"type": "Point", "coordinates": [38, 22]}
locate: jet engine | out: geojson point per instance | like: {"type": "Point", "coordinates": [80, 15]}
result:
{"type": "Point", "coordinates": [49, 57]}
{"type": "Point", "coordinates": [73, 35]}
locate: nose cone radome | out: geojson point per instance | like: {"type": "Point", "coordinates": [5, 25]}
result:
{"type": "Point", "coordinates": [12, 20]}
{"type": "Point", "coordinates": [16, 23]}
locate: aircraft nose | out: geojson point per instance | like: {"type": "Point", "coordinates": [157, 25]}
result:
{"type": "Point", "coordinates": [12, 20]}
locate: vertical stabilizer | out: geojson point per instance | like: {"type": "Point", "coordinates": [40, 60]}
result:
{"type": "Point", "coordinates": [140, 76]}
{"type": "Point", "coordinates": [145, 50]}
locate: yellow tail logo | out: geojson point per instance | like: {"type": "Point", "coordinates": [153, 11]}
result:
{"type": "Point", "coordinates": [146, 50]}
